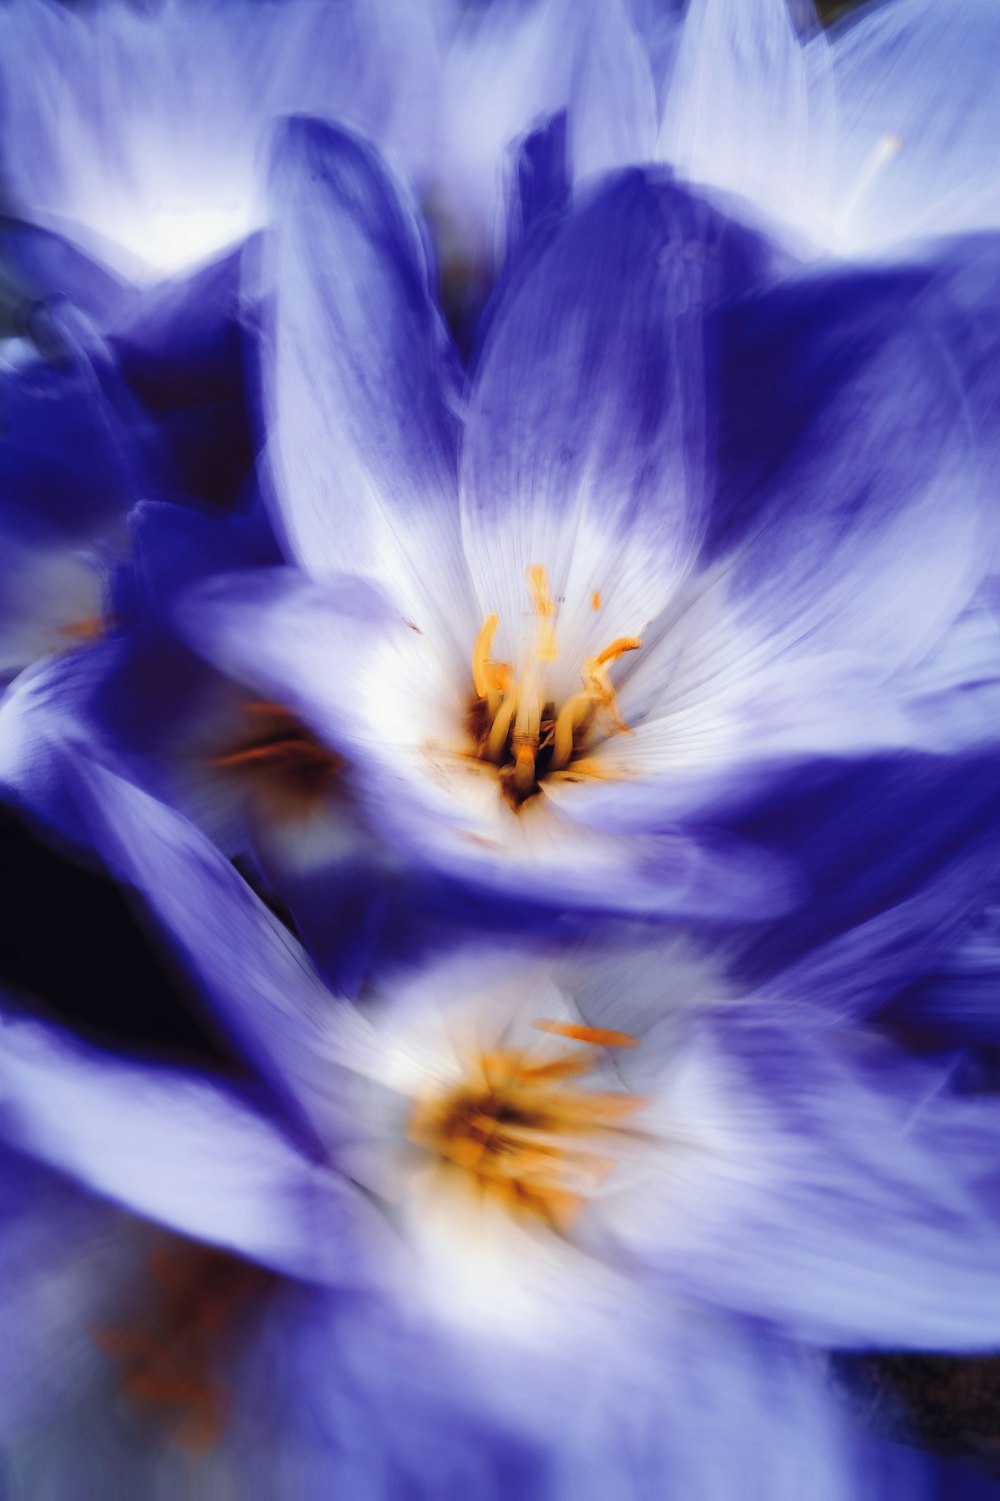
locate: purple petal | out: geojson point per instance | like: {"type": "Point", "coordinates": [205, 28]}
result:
{"type": "Point", "coordinates": [251, 971]}
{"type": "Point", "coordinates": [357, 375]}
{"type": "Point", "coordinates": [186, 1150]}
{"type": "Point", "coordinates": [918, 118]}
{"type": "Point", "coordinates": [843, 1190]}
{"type": "Point", "coordinates": [612, 101]}
{"type": "Point", "coordinates": [851, 504]}
{"type": "Point", "coordinates": [748, 108]}
{"type": "Point", "coordinates": [585, 446]}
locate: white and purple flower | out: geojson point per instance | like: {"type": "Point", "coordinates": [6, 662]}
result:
{"type": "Point", "coordinates": [617, 1209]}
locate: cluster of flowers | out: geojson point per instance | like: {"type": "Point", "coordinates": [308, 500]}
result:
{"type": "Point", "coordinates": [498, 558]}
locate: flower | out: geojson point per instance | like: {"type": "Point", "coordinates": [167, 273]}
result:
{"type": "Point", "coordinates": [655, 551]}
{"type": "Point", "coordinates": [594, 1186]}
{"type": "Point", "coordinates": [138, 130]}
{"type": "Point", "coordinates": [869, 138]}
{"type": "Point", "coordinates": [135, 130]}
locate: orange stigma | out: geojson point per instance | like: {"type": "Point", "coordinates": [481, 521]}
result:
{"type": "Point", "coordinates": [526, 1138]}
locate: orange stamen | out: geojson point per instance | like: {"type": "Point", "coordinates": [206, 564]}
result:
{"type": "Point", "coordinates": [515, 1125]}
{"type": "Point", "coordinates": [601, 1037]}
{"type": "Point", "coordinates": [545, 609]}
{"type": "Point", "coordinates": [516, 726]}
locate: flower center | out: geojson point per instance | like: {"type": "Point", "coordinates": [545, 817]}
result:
{"type": "Point", "coordinates": [525, 1135]}
{"type": "Point", "coordinates": [515, 723]}
{"type": "Point", "coordinates": [282, 759]}
{"type": "Point", "coordinates": [171, 1367]}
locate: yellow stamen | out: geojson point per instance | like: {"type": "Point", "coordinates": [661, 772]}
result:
{"type": "Point", "coordinates": [500, 728]}
{"type": "Point", "coordinates": [481, 675]}
{"type": "Point", "coordinates": [507, 1125]}
{"type": "Point", "coordinates": [523, 732]}
{"type": "Point", "coordinates": [545, 608]}
{"type": "Point", "coordinates": [572, 717]}
{"type": "Point", "coordinates": [598, 682]}
{"type": "Point", "coordinates": [601, 1037]}
{"type": "Point", "coordinates": [617, 649]}
{"type": "Point", "coordinates": [524, 770]}
{"type": "Point", "coordinates": [82, 632]}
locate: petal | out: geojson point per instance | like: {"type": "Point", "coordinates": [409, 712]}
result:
{"type": "Point", "coordinates": [541, 185]}
{"type": "Point", "coordinates": [746, 108]}
{"type": "Point", "coordinates": [251, 972]}
{"type": "Point", "coordinates": [918, 120]}
{"type": "Point", "coordinates": [829, 1183]}
{"type": "Point", "coordinates": [181, 352]}
{"type": "Point", "coordinates": [68, 478]}
{"type": "Point", "coordinates": [851, 505]}
{"type": "Point", "coordinates": [612, 102]}
{"type": "Point", "coordinates": [585, 445]}
{"type": "Point", "coordinates": [40, 267]}
{"type": "Point", "coordinates": [357, 379]}
{"type": "Point", "coordinates": [872, 926]}
{"type": "Point", "coordinates": [186, 1150]}
{"type": "Point", "coordinates": [508, 70]}
{"type": "Point", "coordinates": [138, 131]}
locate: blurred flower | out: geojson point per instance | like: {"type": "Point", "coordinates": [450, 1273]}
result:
{"type": "Point", "coordinates": [655, 551]}
{"type": "Point", "coordinates": [866, 139]}
{"type": "Point", "coordinates": [617, 1209]}
{"type": "Point", "coordinates": [135, 129]}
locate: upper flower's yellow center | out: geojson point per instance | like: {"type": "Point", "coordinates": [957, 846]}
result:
{"type": "Point", "coordinates": [525, 1136]}
{"type": "Point", "coordinates": [515, 724]}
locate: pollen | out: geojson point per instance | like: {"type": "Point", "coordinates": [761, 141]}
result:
{"type": "Point", "coordinates": [515, 722]}
{"type": "Point", "coordinates": [522, 1130]}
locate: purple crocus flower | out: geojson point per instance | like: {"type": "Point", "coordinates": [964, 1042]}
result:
{"type": "Point", "coordinates": [665, 541]}
{"type": "Point", "coordinates": [587, 1212]}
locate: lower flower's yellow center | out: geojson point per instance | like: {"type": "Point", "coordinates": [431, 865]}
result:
{"type": "Point", "coordinates": [516, 725]}
{"type": "Point", "coordinates": [524, 1134]}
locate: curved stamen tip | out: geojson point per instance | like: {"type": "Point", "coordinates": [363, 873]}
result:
{"type": "Point", "coordinates": [601, 1037]}
{"type": "Point", "coordinates": [617, 649]}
